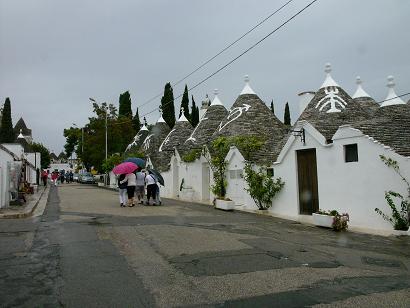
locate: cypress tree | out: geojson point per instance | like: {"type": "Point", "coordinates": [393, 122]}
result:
{"type": "Point", "coordinates": [125, 105]}
{"type": "Point", "coordinates": [6, 128]}
{"type": "Point", "coordinates": [167, 105]}
{"type": "Point", "coordinates": [286, 119]}
{"type": "Point", "coordinates": [185, 104]}
{"type": "Point", "coordinates": [194, 113]}
{"type": "Point", "coordinates": [272, 107]}
{"type": "Point", "coordinates": [136, 123]}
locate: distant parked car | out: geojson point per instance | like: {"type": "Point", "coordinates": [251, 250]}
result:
{"type": "Point", "coordinates": [86, 178]}
{"type": "Point", "coordinates": [75, 177]}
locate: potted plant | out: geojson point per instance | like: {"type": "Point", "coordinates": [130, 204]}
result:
{"type": "Point", "coordinates": [331, 219]}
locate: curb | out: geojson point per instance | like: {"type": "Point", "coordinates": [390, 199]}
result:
{"type": "Point", "coordinates": [26, 213]}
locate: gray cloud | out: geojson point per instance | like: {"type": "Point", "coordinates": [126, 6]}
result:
{"type": "Point", "coordinates": [56, 54]}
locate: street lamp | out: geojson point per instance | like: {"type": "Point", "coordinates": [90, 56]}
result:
{"type": "Point", "coordinates": [106, 135]}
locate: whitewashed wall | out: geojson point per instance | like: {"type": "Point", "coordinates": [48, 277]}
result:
{"type": "Point", "coordinates": [356, 187]}
{"type": "Point", "coordinates": [197, 178]}
{"type": "Point", "coordinates": [35, 160]}
{"type": "Point", "coordinates": [4, 182]}
{"type": "Point", "coordinates": [16, 148]}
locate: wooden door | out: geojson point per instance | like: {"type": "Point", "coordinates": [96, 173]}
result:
{"type": "Point", "coordinates": [307, 180]}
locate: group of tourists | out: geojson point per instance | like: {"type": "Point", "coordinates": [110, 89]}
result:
{"type": "Point", "coordinates": [134, 184]}
{"type": "Point", "coordinates": [57, 177]}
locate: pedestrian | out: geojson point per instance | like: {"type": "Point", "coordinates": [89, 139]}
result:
{"type": "Point", "coordinates": [70, 177]}
{"type": "Point", "coordinates": [62, 177]}
{"type": "Point", "coordinates": [151, 188]}
{"type": "Point", "coordinates": [122, 189]}
{"type": "Point", "coordinates": [132, 182]}
{"type": "Point", "coordinates": [140, 187]}
{"type": "Point", "coordinates": [54, 177]}
{"type": "Point", "coordinates": [44, 177]}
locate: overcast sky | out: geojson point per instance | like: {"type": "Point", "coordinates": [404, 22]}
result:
{"type": "Point", "coordinates": [54, 55]}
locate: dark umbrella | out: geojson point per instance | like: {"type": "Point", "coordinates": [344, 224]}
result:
{"type": "Point", "coordinates": [136, 160]}
{"type": "Point", "coordinates": [157, 175]}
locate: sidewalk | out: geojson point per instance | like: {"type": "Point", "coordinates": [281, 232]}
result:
{"type": "Point", "coordinates": [28, 208]}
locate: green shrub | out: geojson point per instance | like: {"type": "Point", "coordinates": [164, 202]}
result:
{"type": "Point", "coordinates": [400, 218]}
{"type": "Point", "coordinates": [261, 187]}
{"type": "Point", "coordinates": [191, 156]}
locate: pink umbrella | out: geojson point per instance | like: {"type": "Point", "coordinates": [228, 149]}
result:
{"type": "Point", "coordinates": [125, 168]}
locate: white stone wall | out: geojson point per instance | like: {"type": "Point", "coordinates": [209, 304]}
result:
{"type": "Point", "coordinates": [356, 187]}
{"type": "Point", "coordinates": [4, 180]}
{"type": "Point", "coordinates": [15, 148]}
{"type": "Point", "coordinates": [197, 180]}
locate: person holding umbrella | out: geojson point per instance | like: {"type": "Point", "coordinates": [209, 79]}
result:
{"type": "Point", "coordinates": [140, 188]}
{"type": "Point", "coordinates": [132, 182]}
{"type": "Point", "coordinates": [128, 168]}
{"type": "Point", "coordinates": [151, 187]}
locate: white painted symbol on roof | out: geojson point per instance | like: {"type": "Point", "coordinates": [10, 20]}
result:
{"type": "Point", "coordinates": [166, 140]}
{"type": "Point", "coordinates": [196, 127]}
{"type": "Point", "coordinates": [234, 114]}
{"type": "Point", "coordinates": [332, 99]}
{"type": "Point", "coordinates": [147, 142]}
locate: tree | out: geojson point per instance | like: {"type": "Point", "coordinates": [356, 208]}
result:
{"type": "Point", "coordinates": [6, 128]}
{"type": "Point", "coordinates": [286, 119]}
{"type": "Point", "coordinates": [72, 135]}
{"type": "Point", "coordinates": [167, 104]}
{"type": "Point", "coordinates": [45, 154]}
{"type": "Point", "coordinates": [125, 105]}
{"type": "Point", "coordinates": [185, 104]}
{"type": "Point", "coordinates": [194, 113]}
{"type": "Point", "coordinates": [272, 107]}
{"type": "Point", "coordinates": [136, 123]}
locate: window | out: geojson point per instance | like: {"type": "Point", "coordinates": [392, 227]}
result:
{"type": "Point", "coordinates": [270, 172]}
{"type": "Point", "coordinates": [351, 154]}
{"type": "Point", "coordinates": [235, 174]}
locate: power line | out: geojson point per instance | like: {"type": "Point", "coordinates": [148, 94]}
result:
{"type": "Point", "coordinates": [405, 94]}
{"type": "Point", "coordinates": [240, 55]}
{"type": "Point", "coordinates": [220, 52]}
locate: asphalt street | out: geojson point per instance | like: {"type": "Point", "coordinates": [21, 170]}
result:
{"type": "Point", "coordinates": [85, 250]}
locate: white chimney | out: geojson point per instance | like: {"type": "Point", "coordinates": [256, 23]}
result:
{"type": "Point", "coordinates": [205, 104]}
{"type": "Point", "coordinates": [304, 100]}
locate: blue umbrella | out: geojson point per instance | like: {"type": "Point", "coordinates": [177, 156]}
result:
{"type": "Point", "coordinates": [136, 160]}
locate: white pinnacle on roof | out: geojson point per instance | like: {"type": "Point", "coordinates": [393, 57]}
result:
{"type": "Point", "coordinates": [161, 119]}
{"type": "Point", "coordinates": [182, 118]}
{"type": "Point", "coordinates": [392, 98]}
{"type": "Point", "coordinates": [216, 101]}
{"type": "Point", "coordinates": [359, 92]}
{"type": "Point", "coordinates": [144, 127]}
{"type": "Point", "coordinates": [329, 82]}
{"type": "Point", "coordinates": [247, 88]}
{"type": "Point", "coordinates": [20, 136]}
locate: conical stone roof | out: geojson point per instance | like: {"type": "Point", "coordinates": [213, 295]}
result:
{"type": "Point", "coordinates": [208, 124]}
{"type": "Point", "coordinates": [249, 116]}
{"type": "Point", "coordinates": [138, 140]}
{"type": "Point", "coordinates": [177, 136]}
{"type": "Point", "coordinates": [332, 107]}
{"type": "Point", "coordinates": [152, 143]}
{"type": "Point", "coordinates": [21, 125]}
{"type": "Point", "coordinates": [362, 98]}
{"type": "Point", "coordinates": [390, 125]}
